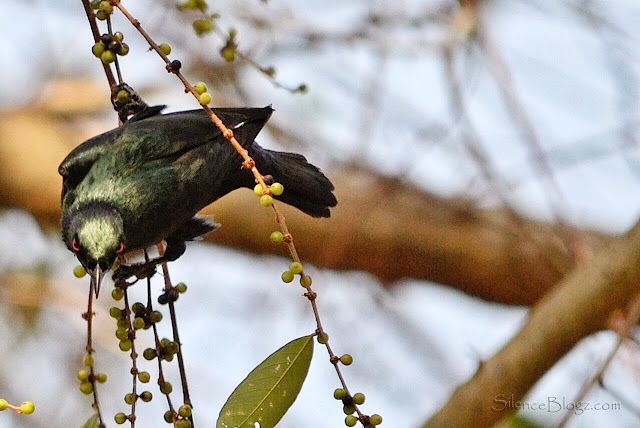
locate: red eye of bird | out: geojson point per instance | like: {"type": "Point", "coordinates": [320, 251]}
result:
{"type": "Point", "coordinates": [120, 248]}
{"type": "Point", "coordinates": [75, 246]}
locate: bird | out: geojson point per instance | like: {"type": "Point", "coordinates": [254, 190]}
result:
{"type": "Point", "coordinates": [145, 181]}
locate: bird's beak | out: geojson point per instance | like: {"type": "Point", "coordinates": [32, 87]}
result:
{"type": "Point", "coordinates": [96, 279]}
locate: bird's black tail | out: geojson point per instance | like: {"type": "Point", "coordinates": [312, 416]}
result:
{"type": "Point", "coordinates": [305, 186]}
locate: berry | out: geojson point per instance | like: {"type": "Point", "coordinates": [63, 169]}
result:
{"type": "Point", "coordinates": [358, 398]}
{"type": "Point", "coordinates": [287, 276]}
{"type": "Point", "coordinates": [144, 377]}
{"type": "Point", "coordinates": [97, 50]}
{"type": "Point", "coordinates": [266, 201]}
{"type": "Point", "coordinates": [83, 375]}
{"type": "Point", "coordinates": [305, 281]}
{"type": "Point", "coordinates": [350, 421]}
{"type": "Point", "coordinates": [149, 354]}
{"type": "Point", "coordinates": [322, 338]}
{"type": "Point", "coordinates": [123, 323]}
{"type": "Point", "coordinates": [185, 411]}
{"type": "Point", "coordinates": [124, 49]}
{"type": "Point", "coordinates": [115, 312]}
{"type": "Point", "coordinates": [155, 317]}
{"type": "Point", "coordinates": [129, 398]}
{"type": "Point", "coordinates": [166, 388]}
{"type": "Point", "coordinates": [165, 48]}
{"type": "Point", "coordinates": [115, 46]}
{"type": "Point", "coordinates": [168, 417]}
{"type": "Point", "coordinates": [87, 360]}
{"type": "Point", "coordinates": [339, 394]}
{"type": "Point", "coordinates": [117, 293]}
{"type": "Point", "coordinates": [79, 272]}
{"type": "Point", "coordinates": [27, 407]}
{"type": "Point", "coordinates": [106, 7]}
{"type": "Point", "coordinates": [348, 409]}
{"type": "Point", "coordinates": [86, 388]}
{"type": "Point", "coordinates": [122, 333]}
{"type": "Point", "coordinates": [181, 287]}
{"type": "Point", "coordinates": [205, 98]}
{"type": "Point", "coordinates": [346, 359]}
{"type": "Point", "coordinates": [171, 348]}
{"type": "Point", "coordinates": [120, 418]}
{"type": "Point", "coordinates": [228, 53]}
{"type": "Point", "coordinates": [125, 345]}
{"type": "Point", "coordinates": [138, 308]}
{"type": "Point", "coordinates": [101, 377]}
{"type": "Point", "coordinates": [102, 15]}
{"type": "Point", "coordinates": [202, 26]}
{"type": "Point", "coordinates": [175, 66]}
{"type": "Point", "coordinates": [295, 267]}
{"type": "Point", "coordinates": [146, 396]}
{"type": "Point", "coordinates": [118, 36]}
{"type": "Point", "coordinates": [183, 423]}
{"type": "Point", "coordinates": [123, 97]}
{"type": "Point", "coordinates": [95, 4]}
{"type": "Point", "coordinates": [277, 189]}
{"type": "Point", "coordinates": [168, 357]}
{"type": "Point", "coordinates": [276, 237]}
{"type": "Point", "coordinates": [257, 190]}
{"type": "Point", "coordinates": [200, 87]}
{"type": "Point", "coordinates": [375, 419]}
{"type": "Point", "coordinates": [108, 57]}
{"type": "Point", "coordinates": [138, 323]}
{"type": "Point", "coordinates": [3, 404]}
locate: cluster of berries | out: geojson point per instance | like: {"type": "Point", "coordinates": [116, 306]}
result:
{"type": "Point", "coordinates": [180, 419]}
{"type": "Point", "coordinates": [349, 402]}
{"type": "Point", "coordinates": [110, 45]}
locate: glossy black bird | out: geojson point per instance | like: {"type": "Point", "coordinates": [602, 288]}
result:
{"type": "Point", "coordinates": [144, 182]}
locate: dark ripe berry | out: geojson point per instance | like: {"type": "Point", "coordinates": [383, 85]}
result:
{"type": "Point", "coordinates": [185, 411]}
{"type": "Point", "coordinates": [339, 394]}
{"type": "Point", "coordinates": [358, 398]}
{"type": "Point", "coordinates": [138, 308]}
{"type": "Point", "coordinates": [348, 410]}
{"type": "Point", "coordinates": [146, 396]}
{"type": "Point", "coordinates": [173, 295]}
{"type": "Point", "coordinates": [375, 419]}
{"type": "Point", "coordinates": [101, 377]}
{"type": "Point", "coordinates": [166, 388]}
{"type": "Point", "coordinates": [168, 417]}
{"type": "Point", "coordinates": [350, 421]}
{"type": "Point", "coordinates": [149, 354]}
{"type": "Point", "coordinates": [115, 46]}
{"type": "Point", "coordinates": [163, 299]}
{"type": "Point", "coordinates": [176, 65]}
{"type": "Point", "coordinates": [118, 36]}
{"type": "Point", "coordinates": [124, 49]}
{"type": "Point", "coordinates": [268, 179]}
{"type": "Point", "coordinates": [120, 418]}
{"type": "Point", "coordinates": [346, 359]}
{"type": "Point", "coordinates": [86, 388]}
{"type": "Point", "coordinates": [129, 398]}
{"type": "Point", "coordinates": [144, 377]}
{"type": "Point", "coordinates": [106, 38]}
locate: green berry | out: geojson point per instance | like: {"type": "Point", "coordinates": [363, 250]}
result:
{"type": "Point", "coordinates": [228, 53]}
{"type": "Point", "coordinates": [122, 333]}
{"type": "Point", "coordinates": [185, 411]}
{"type": "Point", "coordinates": [165, 48]}
{"type": "Point", "coordinates": [108, 57]}
{"type": "Point", "coordinates": [183, 423]}
{"type": "Point", "coordinates": [138, 323]}
{"type": "Point", "coordinates": [86, 388]}
{"type": "Point", "coordinates": [347, 359]}
{"type": "Point", "coordinates": [287, 276]}
{"type": "Point", "coordinates": [257, 189]}
{"type": "Point", "coordinates": [149, 354]}
{"type": "Point", "coordinates": [138, 308]}
{"type": "Point", "coordinates": [168, 357]}
{"type": "Point", "coordinates": [87, 360]}
{"type": "Point", "coordinates": [375, 419]}
{"type": "Point", "coordinates": [129, 398]}
{"type": "Point", "coordinates": [123, 97]}
{"type": "Point", "coordinates": [277, 189]}
{"type": "Point", "coordinates": [98, 49]}
{"type": "Point", "coordinates": [125, 345]}
{"type": "Point", "coordinates": [3, 404]}
{"type": "Point", "coordinates": [202, 26]}
{"type": "Point", "coordinates": [295, 267]}
{"type": "Point", "coordinates": [79, 272]}
{"type": "Point", "coordinates": [120, 418]}
{"type": "Point", "coordinates": [172, 348]}
{"type": "Point", "coordinates": [181, 287]}
{"type": "Point", "coordinates": [339, 394]}
{"type": "Point", "coordinates": [106, 7]}
{"type": "Point", "coordinates": [200, 87]}
{"type": "Point", "coordinates": [122, 323]}
{"type": "Point", "coordinates": [358, 398]}
{"type": "Point", "coordinates": [276, 237]}
{"type": "Point", "coordinates": [322, 338]}
{"type": "Point", "coordinates": [95, 4]}
{"type": "Point", "coordinates": [118, 36]}
{"type": "Point", "coordinates": [101, 377]}
{"type": "Point", "coordinates": [27, 407]}
{"type": "Point", "coordinates": [168, 417]}
{"type": "Point", "coordinates": [117, 294]}
{"type": "Point", "coordinates": [305, 281]}
{"type": "Point", "coordinates": [350, 421]}
{"type": "Point", "coordinates": [146, 396]}
{"type": "Point", "coordinates": [266, 201]}
{"type": "Point", "coordinates": [144, 377]}
{"type": "Point", "coordinates": [166, 388]}
{"type": "Point", "coordinates": [124, 49]}
{"type": "Point", "coordinates": [83, 375]}
{"type": "Point", "coordinates": [102, 15]}
{"type": "Point", "coordinates": [115, 312]}
{"type": "Point", "coordinates": [349, 409]}
{"type": "Point", "coordinates": [205, 98]}
{"type": "Point", "coordinates": [155, 317]}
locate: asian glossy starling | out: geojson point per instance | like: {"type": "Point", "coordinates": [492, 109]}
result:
{"type": "Point", "coordinates": [144, 182]}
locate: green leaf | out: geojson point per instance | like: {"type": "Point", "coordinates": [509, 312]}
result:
{"type": "Point", "coordinates": [93, 422]}
{"type": "Point", "coordinates": [266, 394]}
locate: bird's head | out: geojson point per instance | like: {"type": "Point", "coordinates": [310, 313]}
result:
{"type": "Point", "coordinates": [96, 237]}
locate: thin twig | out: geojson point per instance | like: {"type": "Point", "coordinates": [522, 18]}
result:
{"type": "Point", "coordinates": [89, 348]}
{"type": "Point", "coordinates": [134, 356]}
{"type": "Point", "coordinates": [96, 37]}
